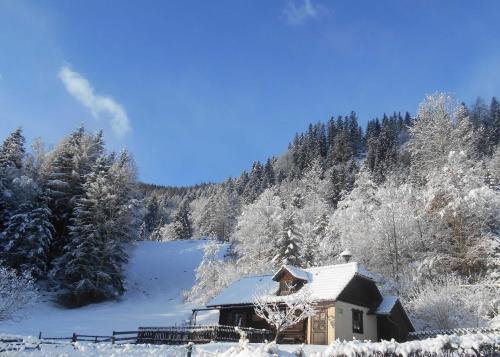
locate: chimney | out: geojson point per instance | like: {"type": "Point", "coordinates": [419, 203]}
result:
{"type": "Point", "coordinates": [347, 255]}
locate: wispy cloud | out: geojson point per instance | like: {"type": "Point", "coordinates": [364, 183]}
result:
{"type": "Point", "coordinates": [298, 12]}
{"type": "Point", "coordinates": [99, 106]}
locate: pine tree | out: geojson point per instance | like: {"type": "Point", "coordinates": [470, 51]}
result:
{"type": "Point", "coordinates": [495, 122]}
{"type": "Point", "coordinates": [254, 187]}
{"type": "Point", "coordinates": [80, 272]}
{"type": "Point", "coordinates": [287, 246]}
{"type": "Point", "coordinates": [63, 186]}
{"type": "Point", "coordinates": [12, 150]}
{"type": "Point", "coordinates": [182, 228]}
{"type": "Point", "coordinates": [28, 236]}
{"type": "Point", "coordinates": [12, 154]}
{"type": "Point", "coordinates": [105, 219]}
{"type": "Point", "coordinates": [64, 175]}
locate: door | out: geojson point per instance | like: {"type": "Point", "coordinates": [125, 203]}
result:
{"type": "Point", "coordinates": [320, 328]}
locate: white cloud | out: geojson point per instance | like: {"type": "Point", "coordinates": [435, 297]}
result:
{"type": "Point", "coordinates": [100, 106]}
{"type": "Point", "coordinates": [299, 12]}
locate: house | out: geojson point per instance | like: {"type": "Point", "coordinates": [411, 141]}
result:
{"type": "Point", "coordinates": [348, 304]}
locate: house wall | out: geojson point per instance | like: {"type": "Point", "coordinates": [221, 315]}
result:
{"type": "Point", "coordinates": [343, 323]}
{"type": "Point", "coordinates": [331, 324]}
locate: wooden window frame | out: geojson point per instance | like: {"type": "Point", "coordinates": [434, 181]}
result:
{"type": "Point", "coordinates": [357, 315]}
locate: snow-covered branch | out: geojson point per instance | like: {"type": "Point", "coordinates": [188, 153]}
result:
{"type": "Point", "coordinates": [284, 311]}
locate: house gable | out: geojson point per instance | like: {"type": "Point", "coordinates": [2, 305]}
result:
{"type": "Point", "coordinates": [361, 291]}
{"type": "Point", "coordinates": [288, 282]}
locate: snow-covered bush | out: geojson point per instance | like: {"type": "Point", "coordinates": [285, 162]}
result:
{"type": "Point", "coordinates": [467, 345]}
{"type": "Point", "coordinates": [16, 292]}
{"type": "Point", "coordinates": [450, 302]}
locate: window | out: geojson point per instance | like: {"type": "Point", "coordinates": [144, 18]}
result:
{"type": "Point", "coordinates": [238, 319]}
{"type": "Point", "coordinates": [357, 321]}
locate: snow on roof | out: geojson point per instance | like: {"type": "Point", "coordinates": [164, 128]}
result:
{"type": "Point", "coordinates": [325, 283]}
{"type": "Point", "coordinates": [244, 290]}
{"type": "Point", "coordinates": [386, 305]}
{"type": "Point", "coordinates": [295, 271]}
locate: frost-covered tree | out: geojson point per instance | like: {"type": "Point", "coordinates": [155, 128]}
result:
{"type": "Point", "coordinates": [63, 175]}
{"type": "Point", "coordinates": [284, 311]}
{"type": "Point", "coordinates": [212, 275]}
{"type": "Point", "coordinates": [288, 244]}
{"type": "Point", "coordinates": [105, 220]}
{"type": "Point", "coordinates": [16, 291]}
{"type": "Point", "coordinates": [259, 227]}
{"type": "Point", "coordinates": [182, 223]}
{"type": "Point", "coordinates": [466, 211]}
{"type": "Point", "coordinates": [441, 126]}
{"type": "Point", "coordinates": [12, 153]}
{"type": "Point", "coordinates": [12, 150]}
{"type": "Point", "coordinates": [219, 216]}
{"type": "Point", "coordinates": [28, 233]}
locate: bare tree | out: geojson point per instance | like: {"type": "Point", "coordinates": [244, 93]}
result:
{"type": "Point", "coordinates": [282, 312]}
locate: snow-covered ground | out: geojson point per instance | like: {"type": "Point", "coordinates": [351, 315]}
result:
{"type": "Point", "coordinates": [466, 343]}
{"type": "Point", "coordinates": [157, 274]}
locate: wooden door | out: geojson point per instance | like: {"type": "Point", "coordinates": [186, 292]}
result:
{"type": "Point", "coordinates": [320, 328]}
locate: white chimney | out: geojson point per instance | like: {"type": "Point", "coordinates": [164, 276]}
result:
{"type": "Point", "coordinates": [347, 255]}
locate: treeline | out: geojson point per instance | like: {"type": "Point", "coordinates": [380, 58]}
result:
{"type": "Point", "coordinates": [340, 147]}
{"type": "Point", "coordinates": [68, 214]}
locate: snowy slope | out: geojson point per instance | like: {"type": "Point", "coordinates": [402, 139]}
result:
{"type": "Point", "coordinates": [157, 274]}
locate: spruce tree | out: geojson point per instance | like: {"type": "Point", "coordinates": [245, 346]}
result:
{"type": "Point", "coordinates": [287, 246]}
{"type": "Point", "coordinates": [28, 236]}
{"type": "Point", "coordinates": [12, 150]}
{"type": "Point", "coordinates": [182, 227]}
{"type": "Point", "coordinates": [495, 122]}
{"type": "Point", "coordinates": [105, 219]}
{"type": "Point", "coordinates": [12, 154]}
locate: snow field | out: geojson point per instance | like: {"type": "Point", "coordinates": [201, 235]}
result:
{"type": "Point", "coordinates": [156, 276]}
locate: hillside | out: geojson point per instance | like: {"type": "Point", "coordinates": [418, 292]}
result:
{"type": "Point", "coordinates": [156, 275]}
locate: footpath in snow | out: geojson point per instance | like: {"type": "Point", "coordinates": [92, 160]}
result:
{"type": "Point", "coordinates": [157, 274]}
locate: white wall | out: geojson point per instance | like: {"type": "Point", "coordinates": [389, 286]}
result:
{"type": "Point", "coordinates": [343, 323]}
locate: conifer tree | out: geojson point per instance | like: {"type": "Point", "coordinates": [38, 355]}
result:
{"type": "Point", "coordinates": [182, 223]}
{"type": "Point", "coordinates": [12, 150]}
{"type": "Point", "coordinates": [28, 236]}
{"type": "Point", "coordinates": [105, 219]}
{"type": "Point", "coordinates": [12, 154]}
{"type": "Point", "coordinates": [287, 246]}
{"type": "Point", "coordinates": [495, 122]}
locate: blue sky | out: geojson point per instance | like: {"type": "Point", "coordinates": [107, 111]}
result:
{"type": "Point", "coordinates": [197, 90]}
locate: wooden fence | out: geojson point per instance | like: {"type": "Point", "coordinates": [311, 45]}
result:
{"type": "Point", "coordinates": [422, 335]}
{"type": "Point", "coordinates": [200, 334]}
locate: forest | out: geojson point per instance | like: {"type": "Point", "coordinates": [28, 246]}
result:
{"type": "Point", "coordinates": [415, 198]}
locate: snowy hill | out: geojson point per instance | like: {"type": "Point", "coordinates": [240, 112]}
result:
{"type": "Point", "coordinates": [157, 274]}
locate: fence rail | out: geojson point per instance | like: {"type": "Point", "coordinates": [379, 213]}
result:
{"type": "Point", "coordinates": [200, 334]}
{"type": "Point", "coordinates": [419, 335]}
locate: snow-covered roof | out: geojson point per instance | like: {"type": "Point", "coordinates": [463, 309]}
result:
{"type": "Point", "coordinates": [386, 305]}
{"type": "Point", "coordinates": [324, 283]}
{"type": "Point", "coordinates": [244, 290]}
{"type": "Point", "coordinates": [295, 271]}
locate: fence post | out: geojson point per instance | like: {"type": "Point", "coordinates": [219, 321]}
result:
{"type": "Point", "coordinates": [113, 338]}
{"type": "Point", "coordinates": [189, 349]}
{"type": "Point", "coordinates": [73, 339]}
{"type": "Point", "coordinates": [40, 335]}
